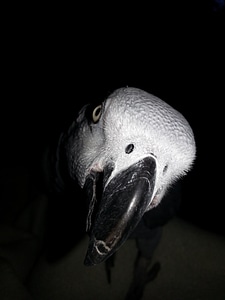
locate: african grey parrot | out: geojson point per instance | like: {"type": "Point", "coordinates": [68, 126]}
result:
{"type": "Point", "coordinates": [126, 152]}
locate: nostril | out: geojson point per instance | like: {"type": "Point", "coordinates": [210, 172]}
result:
{"type": "Point", "coordinates": [129, 148]}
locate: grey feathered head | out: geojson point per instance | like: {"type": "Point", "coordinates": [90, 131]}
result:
{"type": "Point", "coordinates": [141, 145]}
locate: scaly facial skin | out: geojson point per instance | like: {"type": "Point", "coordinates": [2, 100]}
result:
{"type": "Point", "coordinates": [135, 134]}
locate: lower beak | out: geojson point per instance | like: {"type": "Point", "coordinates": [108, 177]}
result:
{"type": "Point", "coordinates": [124, 201]}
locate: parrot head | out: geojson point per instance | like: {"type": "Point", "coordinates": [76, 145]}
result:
{"type": "Point", "coordinates": [125, 153]}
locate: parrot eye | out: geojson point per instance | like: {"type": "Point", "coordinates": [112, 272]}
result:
{"type": "Point", "coordinates": [97, 113]}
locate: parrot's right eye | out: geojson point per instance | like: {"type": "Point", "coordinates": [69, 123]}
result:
{"type": "Point", "coordinates": [97, 113]}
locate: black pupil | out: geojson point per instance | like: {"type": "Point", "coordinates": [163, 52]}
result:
{"type": "Point", "coordinates": [129, 148]}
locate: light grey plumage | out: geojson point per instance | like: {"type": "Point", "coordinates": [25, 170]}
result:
{"type": "Point", "coordinates": [129, 131]}
{"type": "Point", "coordinates": [131, 115]}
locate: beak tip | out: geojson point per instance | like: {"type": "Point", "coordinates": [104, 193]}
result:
{"type": "Point", "coordinates": [93, 257]}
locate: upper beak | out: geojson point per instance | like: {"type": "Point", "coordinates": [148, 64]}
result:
{"type": "Point", "coordinates": [123, 203]}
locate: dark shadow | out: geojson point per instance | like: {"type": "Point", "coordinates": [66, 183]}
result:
{"type": "Point", "coordinates": [66, 223]}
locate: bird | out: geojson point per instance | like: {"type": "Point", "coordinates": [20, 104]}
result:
{"type": "Point", "coordinates": [126, 153]}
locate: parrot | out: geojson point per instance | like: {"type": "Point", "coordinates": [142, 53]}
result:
{"type": "Point", "coordinates": [125, 153]}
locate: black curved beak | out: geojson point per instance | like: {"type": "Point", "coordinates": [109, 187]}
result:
{"type": "Point", "coordinates": [122, 205]}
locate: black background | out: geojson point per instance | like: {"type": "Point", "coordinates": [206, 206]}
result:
{"type": "Point", "coordinates": [55, 59]}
